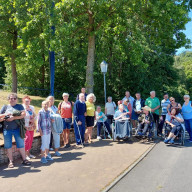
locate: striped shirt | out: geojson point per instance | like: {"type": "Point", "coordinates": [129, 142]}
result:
{"type": "Point", "coordinates": [164, 104]}
{"type": "Point", "coordinates": [44, 122]}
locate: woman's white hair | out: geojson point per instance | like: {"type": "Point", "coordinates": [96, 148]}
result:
{"type": "Point", "coordinates": [65, 94]}
{"type": "Point", "coordinates": [187, 96]}
{"type": "Point", "coordinates": [91, 95]}
{"type": "Point", "coordinates": [50, 97]}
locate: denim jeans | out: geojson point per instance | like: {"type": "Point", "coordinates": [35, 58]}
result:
{"type": "Point", "coordinates": [8, 133]}
{"type": "Point", "coordinates": [188, 126]}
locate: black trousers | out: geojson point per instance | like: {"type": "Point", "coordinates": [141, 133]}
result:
{"type": "Point", "coordinates": [156, 120]}
{"type": "Point", "coordinates": [161, 123]}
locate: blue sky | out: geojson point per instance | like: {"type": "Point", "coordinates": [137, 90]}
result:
{"type": "Point", "coordinates": [188, 33]}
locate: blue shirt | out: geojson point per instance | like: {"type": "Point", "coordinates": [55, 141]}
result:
{"type": "Point", "coordinates": [187, 111]}
{"type": "Point", "coordinates": [174, 121]}
{"type": "Point", "coordinates": [118, 113]}
{"type": "Point", "coordinates": [79, 109]}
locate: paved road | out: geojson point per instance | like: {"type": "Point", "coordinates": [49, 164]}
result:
{"type": "Point", "coordinates": [164, 169]}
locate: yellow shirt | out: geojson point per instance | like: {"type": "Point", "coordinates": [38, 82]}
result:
{"type": "Point", "coordinates": [90, 108]}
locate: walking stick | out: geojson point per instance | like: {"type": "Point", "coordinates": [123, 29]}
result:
{"type": "Point", "coordinates": [79, 133]}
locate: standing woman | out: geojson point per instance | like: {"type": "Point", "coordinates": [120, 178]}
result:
{"type": "Point", "coordinates": [90, 116]}
{"type": "Point", "coordinates": [65, 110]}
{"type": "Point", "coordinates": [54, 135]}
{"type": "Point", "coordinates": [29, 125]}
{"type": "Point", "coordinates": [187, 115]}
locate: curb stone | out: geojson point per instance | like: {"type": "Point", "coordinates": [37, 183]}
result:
{"type": "Point", "coordinates": [126, 171]}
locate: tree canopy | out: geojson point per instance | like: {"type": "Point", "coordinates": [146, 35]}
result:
{"type": "Point", "coordinates": [137, 38]}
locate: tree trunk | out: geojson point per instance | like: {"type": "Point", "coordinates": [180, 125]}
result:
{"type": "Point", "coordinates": [13, 64]}
{"type": "Point", "coordinates": [91, 55]}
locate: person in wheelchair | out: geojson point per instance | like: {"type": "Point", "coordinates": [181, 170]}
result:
{"type": "Point", "coordinates": [145, 119]}
{"type": "Point", "coordinates": [102, 121]}
{"type": "Point", "coordinates": [122, 126]}
{"type": "Point", "coordinates": [173, 121]}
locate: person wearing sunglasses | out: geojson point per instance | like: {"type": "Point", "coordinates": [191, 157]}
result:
{"type": "Point", "coordinates": [11, 128]}
{"type": "Point", "coordinates": [172, 105]}
{"type": "Point", "coordinates": [187, 115]}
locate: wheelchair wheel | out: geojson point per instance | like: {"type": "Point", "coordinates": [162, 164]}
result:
{"type": "Point", "coordinates": [113, 130]}
{"type": "Point", "coordinates": [182, 138]}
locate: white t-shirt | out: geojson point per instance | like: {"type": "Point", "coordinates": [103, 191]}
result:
{"type": "Point", "coordinates": [110, 107]}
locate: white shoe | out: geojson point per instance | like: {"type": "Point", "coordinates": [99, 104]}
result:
{"type": "Point", "coordinates": [32, 156]}
{"type": "Point", "coordinates": [51, 149]}
{"type": "Point", "coordinates": [27, 158]}
{"type": "Point", "coordinates": [98, 138]}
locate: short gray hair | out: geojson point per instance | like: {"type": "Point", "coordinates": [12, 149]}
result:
{"type": "Point", "coordinates": [65, 94]}
{"type": "Point", "coordinates": [12, 94]}
{"type": "Point", "coordinates": [152, 92]}
{"type": "Point", "coordinates": [187, 96]}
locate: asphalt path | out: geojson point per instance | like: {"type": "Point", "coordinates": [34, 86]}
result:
{"type": "Point", "coordinates": [167, 168]}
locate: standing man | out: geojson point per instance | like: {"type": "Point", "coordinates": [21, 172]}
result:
{"type": "Point", "coordinates": [154, 103]}
{"type": "Point", "coordinates": [164, 103]}
{"type": "Point", "coordinates": [79, 112]}
{"type": "Point", "coordinates": [128, 97]}
{"type": "Point", "coordinates": [83, 90]}
{"type": "Point", "coordinates": [138, 104]}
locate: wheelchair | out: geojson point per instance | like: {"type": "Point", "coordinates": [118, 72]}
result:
{"type": "Point", "coordinates": [124, 133]}
{"type": "Point", "coordinates": [150, 134]}
{"type": "Point", "coordinates": [180, 139]}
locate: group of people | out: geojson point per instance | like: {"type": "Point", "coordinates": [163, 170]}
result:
{"type": "Point", "coordinates": [53, 121]}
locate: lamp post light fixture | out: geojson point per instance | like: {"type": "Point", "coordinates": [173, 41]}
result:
{"type": "Point", "coordinates": [104, 66]}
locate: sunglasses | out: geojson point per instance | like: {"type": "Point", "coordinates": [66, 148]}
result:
{"type": "Point", "coordinates": [12, 98]}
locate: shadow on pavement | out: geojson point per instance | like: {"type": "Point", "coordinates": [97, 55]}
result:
{"type": "Point", "coordinates": [16, 171]}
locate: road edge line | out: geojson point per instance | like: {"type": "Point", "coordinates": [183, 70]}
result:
{"type": "Point", "coordinates": [118, 178]}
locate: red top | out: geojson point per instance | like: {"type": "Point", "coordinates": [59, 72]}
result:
{"type": "Point", "coordinates": [66, 110]}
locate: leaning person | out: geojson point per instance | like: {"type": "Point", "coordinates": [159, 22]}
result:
{"type": "Point", "coordinates": [102, 121]}
{"type": "Point", "coordinates": [56, 125]}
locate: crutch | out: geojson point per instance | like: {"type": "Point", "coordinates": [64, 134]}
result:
{"type": "Point", "coordinates": [105, 129]}
{"type": "Point", "coordinates": [79, 133]}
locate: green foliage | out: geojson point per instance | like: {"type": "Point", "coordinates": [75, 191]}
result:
{"type": "Point", "coordinates": [138, 39]}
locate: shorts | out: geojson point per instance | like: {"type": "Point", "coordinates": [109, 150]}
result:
{"type": "Point", "coordinates": [8, 133]}
{"type": "Point", "coordinates": [45, 141]}
{"type": "Point", "coordinates": [67, 125]}
{"type": "Point", "coordinates": [56, 140]}
{"type": "Point", "coordinates": [90, 121]}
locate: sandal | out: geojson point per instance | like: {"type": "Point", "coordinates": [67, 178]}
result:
{"type": "Point", "coordinates": [10, 165]}
{"type": "Point", "coordinates": [26, 162]}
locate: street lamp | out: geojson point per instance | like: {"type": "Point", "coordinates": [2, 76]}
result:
{"type": "Point", "coordinates": [104, 66]}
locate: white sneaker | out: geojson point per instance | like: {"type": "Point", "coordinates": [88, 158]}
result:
{"type": "Point", "coordinates": [27, 158]}
{"type": "Point", "coordinates": [32, 156]}
{"type": "Point", "coordinates": [98, 138]}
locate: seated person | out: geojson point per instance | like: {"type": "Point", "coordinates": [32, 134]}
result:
{"type": "Point", "coordinates": [145, 119]}
{"type": "Point", "coordinates": [102, 119]}
{"type": "Point", "coordinates": [121, 123]}
{"type": "Point", "coordinates": [174, 120]}
{"type": "Point", "coordinates": [121, 113]}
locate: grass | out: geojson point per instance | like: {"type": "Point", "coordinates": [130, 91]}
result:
{"type": "Point", "coordinates": [35, 100]}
